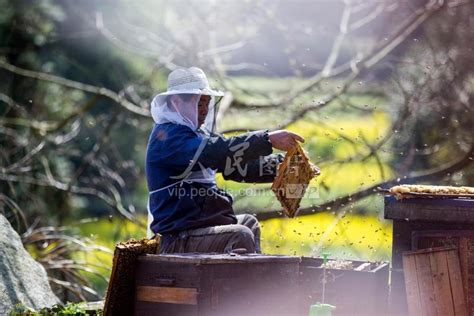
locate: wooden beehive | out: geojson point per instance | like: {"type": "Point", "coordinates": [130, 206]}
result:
{"type": "Point", "coordinates": [293, 177]}
{"type": "Point", "coordinates": [216, 284]}
{"type": "Point", "coordinates": [433, 282]}
{"type": "Point", "coordinates": [425, 222]}
{"type": "Point", "coordinates": [360, 289]}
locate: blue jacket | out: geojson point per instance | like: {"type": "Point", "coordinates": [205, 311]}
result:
{"type": "Point", "coordinates": [183, 206]}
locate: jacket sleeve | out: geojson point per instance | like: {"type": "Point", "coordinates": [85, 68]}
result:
{"type": "Point", "coordinates": [262, 170]}
{"type": "Point", "coordinates": [228, 155]}
{"type": "Point", "coordinates": [181, 148]}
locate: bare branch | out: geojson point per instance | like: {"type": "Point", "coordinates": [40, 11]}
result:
{"type": "Point", "coordinates": [368, 18]}
{"type": "Point", "coordinates": [77, 86]}
{"type": "Point", "coordinates": [25, 159]}
{"type": "Point", "coordinates": [341, 202]}
{"type": "Point", "coordinates": [166, 60]}
{"type": "Point", "coordinates": [343, 27]}
{"type": "Point", "coordinates": [49, 181]}
{"type": "Point", "coordinates": [362, 63]}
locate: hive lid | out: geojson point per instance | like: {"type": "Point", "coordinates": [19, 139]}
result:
{"type": "Point", "coordinates": [430, 210]}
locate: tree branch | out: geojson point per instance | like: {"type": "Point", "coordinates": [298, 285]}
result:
{"type": "Point", "coordinates": [109, 94]}
{"type": "Point", "coordinates": [340, 203]}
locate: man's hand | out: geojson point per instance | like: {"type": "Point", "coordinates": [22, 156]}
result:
{"type": "Point", "coordinates": [284, 140]}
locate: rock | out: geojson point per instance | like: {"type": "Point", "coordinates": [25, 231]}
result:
{"type": "Point", "coordinates": [23, 280]}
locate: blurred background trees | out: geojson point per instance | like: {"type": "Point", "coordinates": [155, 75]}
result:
{"type": "Point", "coordinates": [381, 90]}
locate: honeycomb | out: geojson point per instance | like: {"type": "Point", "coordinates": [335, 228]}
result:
{"type": "Point", "coordinates": [120, 292]}
{"type": "Point", "coordinates": [294, 174]}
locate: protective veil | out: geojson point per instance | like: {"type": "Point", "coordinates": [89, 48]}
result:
{"type": "Point", "coordinates": [185, 111]}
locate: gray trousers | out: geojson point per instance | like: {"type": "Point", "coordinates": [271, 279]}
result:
{"type": "Point", "coordinates": [221, 239]}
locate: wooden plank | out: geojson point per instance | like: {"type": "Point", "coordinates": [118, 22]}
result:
{"type": "Point", "coordinates": [470, 276]}
{"type": "Point", "coordinates": [429, 250]}
{"type": "Point", "coordinates": [464, 263]}
{"type": "Point", "coordinates": [441, 283]}
{"type": "Point", "coordinates": [459, 300]}
{"type": "Point", "coordinates": [411, 284]}
{"type": "Point", "coordinates": [156, 274]}
{"type": "Point", "coordinates": [159, 309]}
{"type": "Point", "coordinates": [171, 295]}
{"type": "Point", "coordinates": [425, 284]}
{"type": "Point", "coordinates": [220, 258]}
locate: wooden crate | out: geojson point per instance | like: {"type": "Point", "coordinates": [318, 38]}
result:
{"type": "Point", "coordinates": [363, 290]}
{"type": "Point", "coordinates": [206, 284]}
{"type": "Point", "coordinates": [433, 282]}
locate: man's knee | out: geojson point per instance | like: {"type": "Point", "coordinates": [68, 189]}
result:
{"type": "Point", "coordinates": [248, 220]}
{"type": "Point", "coordinates": [243, 238]}
{"type": "Point", "coordinates": [244, 232]}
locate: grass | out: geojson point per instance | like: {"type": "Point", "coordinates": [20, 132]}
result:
{"type": "Point", "coordinates": [77, 309]}
{"type": "Point", "coordinates": [105, 232]}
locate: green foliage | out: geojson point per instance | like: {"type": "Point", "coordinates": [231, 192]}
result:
{"type": "Point", "coordinates": [76, 309]}
{"type": "Point", "coordinates": [67, 258]}
{"type": "Point", "coordinates": [104, 233]}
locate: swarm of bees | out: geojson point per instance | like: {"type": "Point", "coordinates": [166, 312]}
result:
{"type": "Point", "coordinates": [294, 175]}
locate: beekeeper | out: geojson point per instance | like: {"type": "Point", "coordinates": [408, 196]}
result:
{"type": "Point", "coordinates": [183, 155]}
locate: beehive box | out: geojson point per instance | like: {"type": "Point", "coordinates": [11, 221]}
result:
{"type": "Point", "coordinates": [360, 289]}
{"type": "Point", "coordinates": [216, 284]}
{"type": "Point", "coordinates": [420, 223]}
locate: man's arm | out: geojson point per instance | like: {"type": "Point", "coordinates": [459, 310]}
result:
{"type": "Point", "coordinates": [180, 148]}
{"type": "Point", "coordinates": [262, 170]}
{"type": "Point", "coordinates": [227, 155]}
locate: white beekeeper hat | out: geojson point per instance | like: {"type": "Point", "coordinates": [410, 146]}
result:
{"type": "Point", "coordinates": [189, 81]}
{"type": "Point", "coordinates": [182, 81]}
